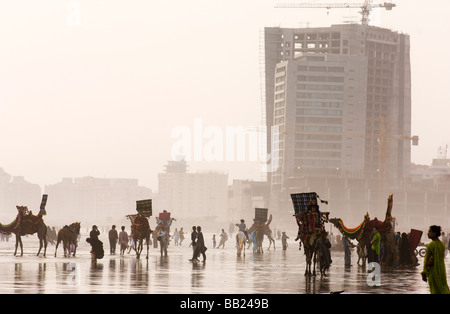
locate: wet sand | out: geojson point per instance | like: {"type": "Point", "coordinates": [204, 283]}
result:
{"type": "Point", "coordinates": [274, 272]}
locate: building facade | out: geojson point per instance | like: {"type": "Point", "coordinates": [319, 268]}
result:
{"type": "Point", "coordinates": [385, 91]}
{"type": "Point", "coordinates": [16, 191]}
{"type": "Point", "coordinates": [341, 97]}
{"type": "Point", "coordinates": [201, 195]}
{"type": "Point", "coordinates": [319, 109]}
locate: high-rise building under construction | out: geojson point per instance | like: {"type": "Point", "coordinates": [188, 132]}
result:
{"type": "Point", "coordinates": [341, 98]}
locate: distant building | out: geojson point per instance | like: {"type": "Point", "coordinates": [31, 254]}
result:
{"type": "Point", "coordinates": [244, 196]}
{"type": "Point", "coordinates": [94, 200]}
{"type": "Point", "coordinates": [425, 198]}
{"type": "Point", "coordinates": [16, 191]}
{"type": "Point", "coordinates": [320, 109]}
{"type": "Point", "coordinates": [382, 88]}
{"type": "Point", "coordinates": [192, 195]}
{"type": "Point", "coordinates": [341, 99]}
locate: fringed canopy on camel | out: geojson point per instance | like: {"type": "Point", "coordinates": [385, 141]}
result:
{"type": "Point", "coordinates": [363, 232]}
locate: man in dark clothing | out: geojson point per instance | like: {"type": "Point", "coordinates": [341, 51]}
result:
{"type": "Point", "coordinates": [200, 246]}
{"type": "Point", "coordinates": [193, 243]}
{"type": "Point", "coordinates": [97, 245]}
{"type": "Point", "coordinates": [113, 238]}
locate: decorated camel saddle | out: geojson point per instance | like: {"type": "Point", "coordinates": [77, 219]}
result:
{"type": "Point", "coordinates": [139, 221]}
{"type": "Point", "coordinates": [310, 219]}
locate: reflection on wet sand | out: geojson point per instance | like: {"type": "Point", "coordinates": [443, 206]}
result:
{"type": "Point", "coordinates": [223, 272]}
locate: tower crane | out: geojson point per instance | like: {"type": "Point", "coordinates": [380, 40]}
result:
{"type": "Point", "coordinates": [366, 7]}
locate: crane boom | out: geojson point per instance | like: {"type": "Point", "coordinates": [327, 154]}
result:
{"type": "Point", "coordinates": [366, 7]}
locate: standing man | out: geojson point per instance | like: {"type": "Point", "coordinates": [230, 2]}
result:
{"type": "Point", "coordinates": [376, 245]}
{"type": "Point", "coordinates": [348, 254]}
{"type": "Point", "coordinates": [113, 238]}
{"type": "Point", "coordinates": [193, 243]}
{"type": "Point", "coordinates": [123, 240]}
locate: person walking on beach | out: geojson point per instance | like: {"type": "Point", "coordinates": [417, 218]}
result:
{"type": "Point", "coordinates": [284, 238]}
{"type": "Point", "coordinates": [176, 236]}
{"type": "Point", "coordinates": [200, 247]}
{"type": "Point", "coordinates": [347, 253]}
{"type": "Point", "coordinates": [163, 238]}
{"type": "Point", "coordinates": [181, 235]}
{"type": "Point", "coordinates": [223, 239]}
{"type": "Point", "coordinates": [123, 240]}
{"type": "Point", "coordinates": [434, 271]}
{"type": "Point", "coordinates": [113, 238]}
{"type": "Point", "coordinates": [193, 237]}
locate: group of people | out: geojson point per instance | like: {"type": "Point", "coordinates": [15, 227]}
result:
{"type": "Point", "coordinates": [125, 241]}
{"type": "Point", "coordinates": [434, 270]}
{"type": "Point", "coordinates": [115, 238]}
{"type": "Point", "coordinates": [198, 244]}
{"type": "Point", "coordinates": [375, 251]}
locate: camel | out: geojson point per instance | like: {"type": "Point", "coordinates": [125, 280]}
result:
{"type": "Point", "coordinates": [262, 228]}
{"type": "Point", "coordinates": [69, 236]}
{"type": "Point", "coordinates": [309, 246]}
{"type": "Point", "coordinates": [140, 231]}
{"type": "Point", "coordinates": [363, 233]}
{"type": "Point", "coordinates": [310, 223]}
{"type": "Point", "coordinates": [27, 223]}
{"type": "Point", "coordinates": [257, 237]}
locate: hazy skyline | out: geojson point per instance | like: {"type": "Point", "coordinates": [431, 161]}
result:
{"type": "Point", "coordinates": [101, 96]}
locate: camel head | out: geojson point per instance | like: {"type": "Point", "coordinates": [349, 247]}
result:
{"type": "Point", "coordinates": [76, 226]}
{"type": "Point", "coordinates": [336, 221]}
{"type": "Point", "coordinates": [23, 210]}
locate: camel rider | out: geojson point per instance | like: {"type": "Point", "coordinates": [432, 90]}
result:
{"type": "Point", "coordinates": [242, 227]}
{"type": "Point", "coordinates": [313, 213]}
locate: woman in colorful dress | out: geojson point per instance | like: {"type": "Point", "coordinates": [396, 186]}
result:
{"type": "Point", "coordinates": [433, 265]}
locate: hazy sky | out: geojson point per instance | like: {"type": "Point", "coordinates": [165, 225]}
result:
{"type": "Point", "coordinates": [97, 87]}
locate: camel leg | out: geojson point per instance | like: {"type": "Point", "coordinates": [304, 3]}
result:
{"type": "Point", "coordinates": [40, 247]}
{"type": "Point", "coordinates": [57, 243]}
{"type": "Point", "coordinates": [138, 249]}
{"type": "Point", "coordinates": [314, 262]}
{"type": "Point", "coordinates": [308, 263]}
{"type": "Point", "coordinates": [147, 247]}
{"type": "Point", "coordinates": [19, 242]}
{"type": "Point", "coordinates": [21, 246]}
{"type": "Point", "coordinates": [66, 248]}
{"type": "Point", "coordinates": [308, 268]}
{"type": "Point", "coordinates": [45, 246]}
